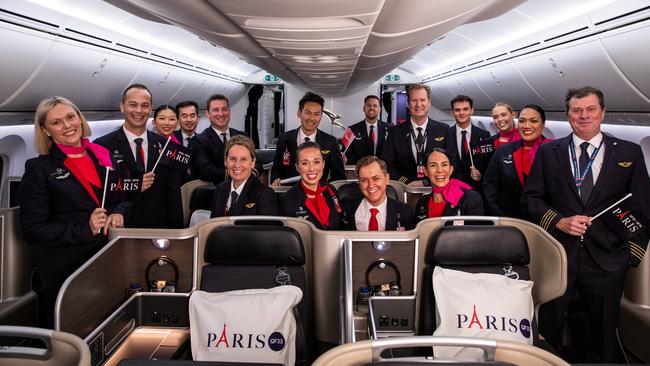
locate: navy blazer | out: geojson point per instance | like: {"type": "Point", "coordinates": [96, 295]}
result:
{"type": "Point", "coordinates": [550, 194]}
{"type": "Point", "coordinates": [292, 204]}
{"type": "Point", "coordinates": [501, 186]}
{"type": "Point", "coordinates": [361, 146]}
{"type": "Point", "coordinates": [55, 212]}
{"type": "Point", "coordinates": [255, 199]}
{"type": "Point", "coordinates": [287, 142]}
{"type": "Point", "coordinates": [207, 155]}
{"type": "Point", "coordinates": [470, 204]}
{"type": "Point", "coordinates": [189, 174]}
{"type": "Point", "coordinates": [480, 139]}
{"type": "Point", "coordinates": [393, 210]}
{"type": "Point", "coordinates": [398, 153]}
{"type": "Point", "coordinates": [160, 205]}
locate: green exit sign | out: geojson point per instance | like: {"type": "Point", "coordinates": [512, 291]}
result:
{"type": "Point", "coordinates": [271, 78]}
{"type": "Point", "coordinates": [392, 77]}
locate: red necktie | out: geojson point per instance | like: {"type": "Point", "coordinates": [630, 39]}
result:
{"type": "Point", "coordinates": [373, 224]}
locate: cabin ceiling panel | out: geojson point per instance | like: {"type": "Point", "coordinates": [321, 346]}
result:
{"type": "Point", "coordinates": [27, 54]}
{"type": "Point", "coordinates": [369, 37]}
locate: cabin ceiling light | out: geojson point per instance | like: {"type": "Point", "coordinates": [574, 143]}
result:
{"type": "Point", "coordinates": [571, 11]}
{"type": "Point", "coordinates": [303, 23]}
{"type": "Point", "coordinates": [89, 12]}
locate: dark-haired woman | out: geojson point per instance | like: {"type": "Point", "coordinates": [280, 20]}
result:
{"type": "Point", "coordinates": [308, 199]}
{"type": "Point", "coordinates": [449, 196]}
{"type": "Point", "coordinates": [165, 122]}
{"type": "Point", "coordinates": [510, 165]}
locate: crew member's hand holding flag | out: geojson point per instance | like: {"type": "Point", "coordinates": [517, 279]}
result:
{"type": "Point", "coordinates": [347, 139]}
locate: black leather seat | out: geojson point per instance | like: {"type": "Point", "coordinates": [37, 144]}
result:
{"type": "Point", "coordinates": [474, 249]}
{"type": "Point", "coordinates": [202, 198]}
{"type": "Point", "coordinates": [245, 257]}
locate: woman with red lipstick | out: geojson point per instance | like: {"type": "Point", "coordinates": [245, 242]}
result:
{"type": "Point", "coordinates": [449, 196]}
{"type": "Point", "coordinates": [504, 120]}
{"type": "Point", "coordinates": [61, 198]}
{"type": "Point", "coordinates": [510, 165]}
{"type": "Point", "coordinates": [308, 199]}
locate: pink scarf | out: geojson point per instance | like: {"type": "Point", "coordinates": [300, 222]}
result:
{"type": "Point", "coordinates": [102, 154]}
{"type": "Point", "coordinates": [452, 191]}
{"type": "Point", "coordinates": [511, 136]}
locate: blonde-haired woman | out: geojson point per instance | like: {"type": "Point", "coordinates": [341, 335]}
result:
{"type": "Point", "coordinates": [60, 198]}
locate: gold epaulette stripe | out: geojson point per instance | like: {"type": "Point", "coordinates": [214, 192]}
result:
{"type": "Point", "coordinates": [546, 219]}
{"type": "Point", "coordinates": [636, 250]}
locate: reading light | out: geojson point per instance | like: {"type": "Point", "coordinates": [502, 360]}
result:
{"type": "Point", "coordinates": [381, 246]}
{"type": "Point", "coordinates": [160, 244]}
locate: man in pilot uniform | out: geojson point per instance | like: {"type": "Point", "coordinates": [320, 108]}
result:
{"type": "Point", "coordinates": [375, 211]}
{"type": "Point", "coordinates": [409, 143]}
{"type": "Point", "coordinates": [136, 150]}
{"type": "Point", "coordinates": [465, 139]}
{"type": "Point", "coordinates": [208, 146]}
{"type": "Point", "coordinates": [573, 179]}
{"type": "Point", "coordinates": [369, 134]}
{"type": "Point", "coordinates": [310, 112]}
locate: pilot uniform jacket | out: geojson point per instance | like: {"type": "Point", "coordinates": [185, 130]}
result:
{"type": "Point", "coordinates": [550, 194]}
{"type": "Point", "coordinates": [501, 186]}
{"type": "Point", "coordinates": [207, 155]}
{"type": "Point", "coordinates": [292, 204]}
{"type": "Point", "coordinates": [160, 205]}
{"type": "Point", "coordinates": [362, 145]}
{"type": "Point", "coordinates": [393, 210]}
{"type": "Point", "coordinates": [287, 143]}
{"type": "Point", "coordinates": [398, 153]}
{"type": "Point", "coordinates": [255, 199]}
{"type": "Point", "coordinates": [470, 204]}
{"type": "Point", "coordinates": [481, 144]}
{"type": "Point", "coordinates": [54, 214]}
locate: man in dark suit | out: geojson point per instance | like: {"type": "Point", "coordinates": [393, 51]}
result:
{"type": "Point", "coordinates": [375, 211]}
{"type": "Point", "coordinates": [409, 143]}
{"type": "Point", "coordinates": [136, 149]}
{"type": "Point", "coordinates": [187, 113]}
{"type": "Point", "coordinates": [470, 146]}
{"type": "Point", "coordinates": [208, 146]}
{"type": "Point", "coordinates": [369, 134]}
{"type": "Point", "coordinates": [573, 179]}
{"type": "Point", "coordinates": [310, 112]}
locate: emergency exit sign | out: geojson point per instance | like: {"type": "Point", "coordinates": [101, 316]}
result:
{"type": "Point", "coordinates": [392, 77]}
{"type": "Point", "coordinates": [271, 78]}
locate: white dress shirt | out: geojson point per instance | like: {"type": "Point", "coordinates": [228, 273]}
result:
{"type": "Point", "coordinates": [593, 145]}
{"type": "Point", "coordinates": [301, 136]}
{"type": "Point", "coordinates": [130, 136]}
{"type": "Point", "coordinates": [362, 215]}
{"type": "Point", "coordinates": [459, 137]}
{"type": "Point", "coordinates": [238, 190]}
{"type": "Point", "coordinates": [227, 132]}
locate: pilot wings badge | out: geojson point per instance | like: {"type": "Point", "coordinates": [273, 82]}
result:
{"type": "Point", "coordinates": [60, 174]}
{"type": "Point", "coordinates": [624, 164]}
{"type": "Point", "coordinates": [250, 205]}
{"type": "Point", "coordinates": [439, 138]}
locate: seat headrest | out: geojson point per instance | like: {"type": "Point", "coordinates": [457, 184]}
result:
{"type": "Point", "coordinates": [265, 156]}
{"type": "Point", "coordinates": [477, 245]}
{"type": "Point", "coordinates": [351, 191]}
{"type": "Point", "coordinates": [202, 198]}
{"type": "Point", "coordinates": [254, 245]}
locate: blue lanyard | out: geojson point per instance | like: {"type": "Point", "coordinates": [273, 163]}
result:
{"type": "Point", "coordinates": [580, 176]}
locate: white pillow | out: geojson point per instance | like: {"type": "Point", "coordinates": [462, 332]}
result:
{"type": "Point", "coordinates": [244, 325]}
{"type": "Point", "coordinates": [481, 305]}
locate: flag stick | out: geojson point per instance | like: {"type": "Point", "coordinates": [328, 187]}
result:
{"type": "Point", "coordinates": [610, 207]}
{"type": "Point", "coordinates": [108, 169]}
{"type": "Point", "coordinates": [290, 180]}
{"type": "Point", "coordinates": [161, 153]}
{"type": "Point", "coordinates": [469, 152]}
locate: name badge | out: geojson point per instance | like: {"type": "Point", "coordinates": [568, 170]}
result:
{"type": "Point", "coordinates": [286, 157]}
{"type": "Point", "coordinates": [60, 174]}
{"type": "Point", "coordinates": [420, 171]}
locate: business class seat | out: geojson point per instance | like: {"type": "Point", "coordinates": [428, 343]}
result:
{"type": "Point", "coordinates": [196, 195]}
{"type": "Point", "coordinates": [496, 352]}
{"type": "Point", "coordinates": [474, 249]}
{"type": "Point", "coordinates": [61, 349]}
{"type": "Point", "coordinates": [247, 257]}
